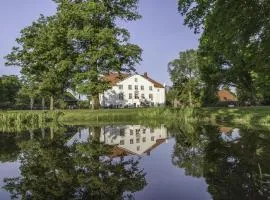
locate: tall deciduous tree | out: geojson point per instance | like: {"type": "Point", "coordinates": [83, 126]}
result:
{"type": "Point", "coordinates": [184, 73]}
{"type": "Point", "coordinates": [238, 33]}
{"type": "Point", "coordinates": [102, 46]}
{"type": "Point", "coordinates": [82, 36]}
{"type": "Point", "coordinates": [45, 56]}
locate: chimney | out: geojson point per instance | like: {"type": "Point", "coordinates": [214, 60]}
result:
{"type": "Point", "coordinates": [145, 74]}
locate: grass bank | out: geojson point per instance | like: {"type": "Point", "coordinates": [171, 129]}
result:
{"type": "Point", "coordinates": [20, 120]}
{"type": "Point", "coordinates": [142, 115]}
{"type": "Point", "coordinates": [249, 117]}
{"type": "Point", "coordinates": [245, 116]}
{"type": "Point", "coordinates": [258, 117]}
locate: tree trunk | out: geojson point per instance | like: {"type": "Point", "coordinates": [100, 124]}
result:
{"type": "Point", "coordinates": [43, 103]}
{"type": "Point", "coordinates": [31, 103]}
{"type": "Point", "coordinates": [95, 102]}
{"type": "Point", "coordinates": [52, 132]}
{"type": "Point", "coordinates": [190, 98]}
{"type": "Point", "coordinates": [253, 96]}
{"type": "Point", "coordinates": [51, 103]}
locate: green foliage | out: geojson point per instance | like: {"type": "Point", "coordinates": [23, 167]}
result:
{"type": "Point", "coordinates": [101, 46]}
{"type": "Point", "coordinates": [75, 47]}
{"type": "Point", "coordinates": [184, 73]}
{"type": "Point", "coordinates": [45, 57]}
{"type": "Point", "coordinates": [235, 166]}
{"type": "Point", "coordinates": [234, 44]}
{"type": "Point", "coordinates": [52, 169]}
{"type": "Point", "coordinates": [9, 88]}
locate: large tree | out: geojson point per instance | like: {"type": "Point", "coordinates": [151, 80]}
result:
{"type": "Point", "coordinates": [237, 34]}
{"type": "Point", "coordinates": [184, 73]}
{"type": "Point", "coordinates": [45, 56]}
{"type": "Point", "coordinates": [102, 46]}
{"type": "Point", "coordinates": [77, 46]}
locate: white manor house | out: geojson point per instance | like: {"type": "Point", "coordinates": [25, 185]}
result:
{"type": "Point", "coordinates": [132, 91]}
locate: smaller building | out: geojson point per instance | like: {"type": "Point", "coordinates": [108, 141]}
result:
{"type": "Point", "coordinates": [226, 95]}
{"type": "Point", "coordinates": [226, 98]}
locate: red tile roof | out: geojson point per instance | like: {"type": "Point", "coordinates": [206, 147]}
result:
{"type": "Point", "coordinates": [114, 78]}
{"type": "Point", "coordinates": [225, 95]}
{"type": "Point", "coordinates": [156, 84]}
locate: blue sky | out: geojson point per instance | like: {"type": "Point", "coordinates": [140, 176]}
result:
{"type": "Point", "coordinates": [160, 33]}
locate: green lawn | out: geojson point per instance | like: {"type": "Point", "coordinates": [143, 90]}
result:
{"type": "Point", "coordinates": [247, 116]}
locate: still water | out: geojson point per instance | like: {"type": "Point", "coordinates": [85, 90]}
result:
{"type": "Point", "coordinates": [135, 162]}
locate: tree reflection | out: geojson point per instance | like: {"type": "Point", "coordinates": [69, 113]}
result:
{"type": "Point", "coordinates": [234, 169]}
{"type": "Point", "coordinates": [189, 150]}
{"type": "Point", "coordinates": [9, 149]}
{"type": "Point", "coordinates": [51, 169]}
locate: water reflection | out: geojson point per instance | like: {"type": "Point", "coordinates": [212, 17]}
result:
{"type": "Point", "coordinates": [235, 163]}
{"type": "Point", "coordinates": [109, 162]}
{"type": "Point", "coordinates": [50, 169]}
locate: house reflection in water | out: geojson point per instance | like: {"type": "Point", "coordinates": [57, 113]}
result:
{"type": "Point", "coordinates": [133, 139]}
{"type": "Point", "coordinates": [125, 139]}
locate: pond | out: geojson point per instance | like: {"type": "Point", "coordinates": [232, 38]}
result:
{"type": "Point", "coordinates": [135, 162]}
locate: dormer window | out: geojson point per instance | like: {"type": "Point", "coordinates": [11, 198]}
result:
{"type": "Point", "coordinates": [136, 80]}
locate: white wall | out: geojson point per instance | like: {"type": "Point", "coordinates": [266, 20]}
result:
{"type": "Point", "coordinates": [134, 138]}
{"type": "Point", "coordinates": [111, 96]}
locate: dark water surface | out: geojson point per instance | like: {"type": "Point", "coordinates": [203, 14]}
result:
{"type": "Point", "coordinates": [135, 162]}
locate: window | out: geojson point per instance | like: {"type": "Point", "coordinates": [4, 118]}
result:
{"type": "Point", "coordinates": [144, 139]}
{"type": "Point", "coordinates": [152, 138]}
{"type": "Point", "coordinates": [131, 141]}
{"type": "Point", "coordinates": [151, 130]}
{"type": "Point", "coordinates": [138, 140]}
{"type": "Point", "coordinates": [142, 87]}
{"type": "Point", "coordinates": [136, 87]}
{"type": "Point", "coordinates": [131, 132]}
{"type": "Point", "coordinates": [122, 142]}
{"type": "Point", "coordinates": [136, 94]}
{"type": "Point", "coordinates": [121, 96]}
{"type": "Point", "coordinates": [137, 131]}
{"type": "Point", "coordinates": [142, 96]}
{"type": "Point", "coordinates": [138, 148]}
{"type": "Point", "coordinates": [122, 132]}
{"type": "Point", "coordinates": [130, 95]}
{"type": "Point", "coordinates": [144, 130]}
{"type": "Point", "coordinates": [151, 96]}
{"type": "Point", "coordinates": [120, 87]}
{"type": "Point", "coordinates": [130, 87]}
{"type": "Point", "coordinates": [136, 80]}
{"type": "Point", "coordinates": [150, 88]}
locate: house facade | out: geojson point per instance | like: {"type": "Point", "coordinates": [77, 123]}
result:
{"type": "Point", "coordinates": [124, 139]}
{"type": "Point", "coordinates": [132, 91]}
{"type": "Point", "coordinates": [134, 139]}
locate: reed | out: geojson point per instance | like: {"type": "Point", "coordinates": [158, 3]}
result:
{"type": "Point", "coordinates": [17, 121]}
